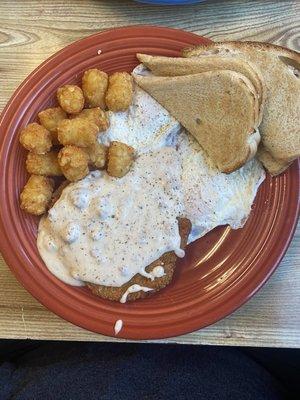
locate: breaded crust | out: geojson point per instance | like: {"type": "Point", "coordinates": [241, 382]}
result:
{"type": "Point", "coordinates": [58, 191]}
{"type": "Point", "coordinates": [167, 260]}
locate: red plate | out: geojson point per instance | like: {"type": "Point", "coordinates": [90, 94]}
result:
{"type": "Point", "coordinates": [220, 271]}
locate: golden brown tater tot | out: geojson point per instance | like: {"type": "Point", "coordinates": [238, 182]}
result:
{"type": "Point", "coordinates": [73, 162]}
{"type": "Point", "coordinates": [79, 132]}
{"type": "Point", "coordinates": [97, 154]}
{"type": "Point", "coordinates": [70, 98]}
{"type": "Point", "coordinates": [36, 138]}
{"type": "Point", "coordinates": [49, 118]}
{"type": "Point", "coordinates": [120, 91]}
{"type": "Point", "coordinates": [94, 87]}
{"type": "Point", "coordinates": [43, 164]}
{"type": "Point", "coordinates": [120, 158]}
{"type": "Point", "coordinates": [36, 194]}
{"type": "Point", "coordinates": [96, 115]}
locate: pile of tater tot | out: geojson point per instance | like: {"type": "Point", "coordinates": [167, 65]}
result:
{"type": "Point", "coordinates": [64, 142]}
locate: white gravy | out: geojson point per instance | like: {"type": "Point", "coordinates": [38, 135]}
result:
{"type": "Point", "coordinates": [118, 326]}
{"type": "Point", "coordinates": [133, 289]}
{"type": "Point", "coordinates": [146, 125]}
{"type": "Point", "coordinates": [105, 230]}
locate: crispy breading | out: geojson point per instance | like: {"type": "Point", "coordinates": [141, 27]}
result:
{"type": "Point", "coordinates": [96, 115]}
{"type": "Point", "coordinates": [58, 191]}
{"type": "Point", "coordinates": [36, 194]}
{"type": "Point", "coordinates": [79, 132]}
{"type": "Point", "coordinates": [167, 261]}
{"type": "Point", "coordinates": [94, 87]}
{"type": "Point", "coordinates": [70, 98]}
{"type": "Point", "coordinates": [35, 138]}
{"type": "Point", "coordinates": [73, 162]}
{"type": "Point", "coordinates": [120, 159]}
{"type": "Point", "coordinates": [97, 154]}
{"type": "Point", "coordinates": [43, 164]}
{"type": "Point", "coordinates": [50, 118]}
{"type": "Point", "coordinates": [120, 91]}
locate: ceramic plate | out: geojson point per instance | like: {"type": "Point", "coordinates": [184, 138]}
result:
{"type": "Point", "coordinates": [220, 271]}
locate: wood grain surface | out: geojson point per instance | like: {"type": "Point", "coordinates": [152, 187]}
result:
{"type": "Point", "coordinates": [31, 31]}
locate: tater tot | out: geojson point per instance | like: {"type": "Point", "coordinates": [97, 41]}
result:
{"type": "Point", "coordinates": [73, 162]}
{"type": "Point", "coordinates": [50, 118]}
{"type": "Point", "coordinates": [70, 98]}
{"type": "Point", "coordinates": [94, 87]}
{"type": "Point", "coordinates": [43, 164]}
{"type": "Point", "coordinates": [97, 154]}
{"type": "Point", "coordinates": [79, 132]}
{"type": "Point", "coordinates": [36, 194]}
{"type": "Point", "coordinates": [96, 115]}
{"type": "Point", "coordinates": [120, 158]}
{"type": "Point", "coordinates": [120, 91]}
{"type": "Point", "coordinates": [36, 138]}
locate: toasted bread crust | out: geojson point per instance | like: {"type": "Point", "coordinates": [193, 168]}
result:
{"type": "Point", "coordinates": [197, 50]}
{"type": "Point", "coordinates": [219, 108]}
{"type": "Point", "coordinates": [167, 260]}
{"type": "Point", "coordinates": [177, 66]}
{"type": "Point", "coordinates": [273, 166]}
{"type": "Point", "coordinates": [280, 125]}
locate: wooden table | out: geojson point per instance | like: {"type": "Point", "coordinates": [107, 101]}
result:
{"type": "Point", "coordinates": [31, 31]}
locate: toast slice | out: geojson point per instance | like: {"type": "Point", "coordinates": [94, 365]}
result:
{"type": "Point", "coordinates": [177, 66]}
{"type": "Point", "coordinates": [273, 166]}
{"type": "Point", "coordinates": [280, 128]}
{"type": "Point", "coordinates": [219, 108]}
